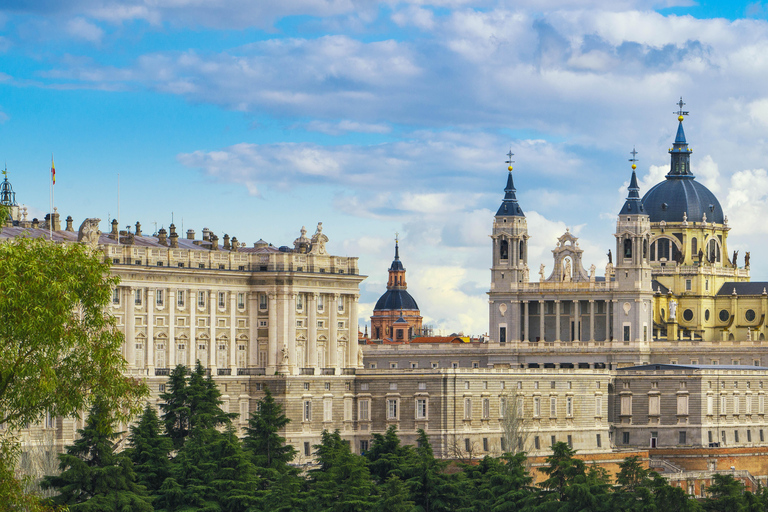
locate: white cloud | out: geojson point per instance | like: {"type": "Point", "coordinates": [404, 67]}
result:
{"type": "Point", "coordinates": [80, 28]}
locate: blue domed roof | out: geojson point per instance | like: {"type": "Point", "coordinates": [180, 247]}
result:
{"type": "Point", "coordinates": [680, 193]}
{"type": "Point", "coordinates": [676, 195]}
{"type": "Point", "coordinates": [395, 300]}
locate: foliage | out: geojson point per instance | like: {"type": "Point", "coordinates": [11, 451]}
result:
{"type": "Point", "coordinates": [13, 495]}
{"type": "Point", "coordinates": [149, 450]}
{"type": "Point", "coordinates": [93, 477]}
{"type": "Point", "coordinates": [262, 439]}
{"type": "Point", "coordinates": [57, 344]}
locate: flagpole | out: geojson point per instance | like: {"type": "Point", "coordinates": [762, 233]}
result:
{"type": "Point", "coordinates": [118, 208]}
{"type": "Point", "coordinates": [53, 183]}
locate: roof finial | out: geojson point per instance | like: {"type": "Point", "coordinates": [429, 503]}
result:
{"type": "Point", "coordinates": [680, 112]}
{"type": "Point", "coordinates": [510, 161]}
{"type": "Point", "coordinates": [397, 246]}
{"type": "Point", "coordinates": [633, 159]}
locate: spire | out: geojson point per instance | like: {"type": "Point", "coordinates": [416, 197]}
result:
{"type": "Point", "coordinates": [680, 165]}
{"type": "Point", "coordinates": [509, 207]}
{"type": "Point", "coordinates": [397, 265]}
{"type": "Point", "coordinates": [633, 205]}
{"type": "Point", "coordinates": [7, 195]}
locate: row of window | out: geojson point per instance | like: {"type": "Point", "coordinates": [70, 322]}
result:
{"type": "Point", "coordinates": [682, 437]}
{"type": "Point", "coordinates": [201, 299]}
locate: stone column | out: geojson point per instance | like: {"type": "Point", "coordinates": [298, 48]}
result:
{"type": "Point", "coordinates": [291, 336]}
{"type": "Point", "coordinates": [353, 346]}
{"type": "Point", "coordinates": [526, 333]}
{"type": "Point", "coordinates": [232, 333]}
{"type": "Point", "coordinates": [557, 320]}
{"type": "Point", "coordinates": [253, 329]}
{"type": "Point", "coordinates": [171, 292]}
{"type": "Point", "coordinates": [576, 320]}
{"type": "Point", "coordinates": [130, 328]}
{"type": "Point", "coordinates": [541, 321]}
{"type": "Point", "coordinates": [150, 348]}
{"type": "Point", "coordinates": [192, 361]}
{"type": "Point", "coordinates": [214, 346]}
{"type": "Point", "coordinates": [272, 343]}
{"type": "Point", "coordinates": [591, 320]}
{"type": "Point", "coordinates": [333, 332]}
{"type": "Point", "coordinates": [312, 331]}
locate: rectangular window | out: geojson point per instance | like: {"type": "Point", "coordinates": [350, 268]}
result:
{"type": "Point", "coordinates": [137, 298]}
{"type": "Point", "coordinates": [221, 299]}
{"type": "Point", "coordinates": [681, 437]}
{"type": "Point", "coordinates": [306, 449]}
{"type": "Point", "coordinates": [762, 436]}
{"type": "Point", "coordinates": [598, 441]}
{"type": "Point", "coordinates": [180, 298]}
{"type": "Point", "coordinates": [710, 405]}
{"type": "Point", "coordinates": [749, 436]}
{"type": "Point", "coordinates": [392, 408]}
{"type": "Point", "coordinates": [467, 447]}
{"type": "Point", "coordinates": [723, 405]}
{"type": "Point", "coordinates": [320, 302]}
{"type": "Point", "coordinates": [569, 406]}
{"type": "Point", "coordinates": [486, 408]}
{"type": "Point", "coordinates": [299, 302]}
{"type": "Point", "coordinates": [709, 437]}
{"type": "Point", "coordinates": [626, 405]}
{"type": "Point", "coordinates": [736, 405]}
{"type": "Point", "coordinates": [421, 409]}
{"type": "Point", "coordinates": [241, 300]}
{"type": "Point", "coordinates": [363, 407]}
{"type": "Point", "coordinates": [654, 402]}
{"type": "Point", "coordinates": [503, 444]}
{"type": "Point", "coordinates": [116, 296]}
{"type": "Point", "coordinates": [625, 437]}
{"type": "Point", "coordinates": [327, 409]}
{"type": "Point", "coordinates": [485, 444]}
{"type": "Point", "coordinates": [627, 333]}
{"type": "Point", "coordinates": [340, 305]}
{"type": "Point", "coordinates": [307, 410]}
{"type": "Point", "coordinates": [553, 407]}
{"type": "Point", "coordinates": [536, 407]}
{"type": "Point", "coordinates": [552, 440]}
{"type": "Point", "coordinates": [502, 407]}
{"type": "Point", "coordinates": [201, 299]}
{"type": "Point", "coordinates": [688, 283]}
{"type": "Point", "coordinates": [159, 297]}
{"type": "Point", "coordinates": [570, 441]}
{"type": "Point", "coordinates": [502, 334]}
{"type": "Point", "coordinates": [422, 386]}
{"type": "Point", "coordinates": [736, 436]}
{"type": "Point", "coordinates": [536, 442]}
{"type": "Point", "coordinates": [363, 446]}
{"type": "Point", "coordinates": [263, 301]}
{"type": "Point", "coordinates": [761, 404]}
{"type": "Point", "coordinates": [467, 408]}
{"type": "Point", "coordinates": [599, 406]}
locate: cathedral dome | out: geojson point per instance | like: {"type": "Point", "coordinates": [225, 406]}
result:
{"type": "Point", "coordinates": [678, 195]}
{"type": "Point", "coordinates": [395, 300]}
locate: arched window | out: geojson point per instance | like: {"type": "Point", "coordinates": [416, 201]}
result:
{"type": "Point", "coordinates": [645, 248]}
{"type": "Point", "coordinates": [713, 251]}
{"type": "Point", "coordinates": [694, 246]}
{"type": "Point", "coordinates": [663, 249]}
{"type": "Point", "coordinates": [522, 250]}
{"type": "Point", "coordinates": [627, 248]}
{"type": "Point", "coordinates": [504, 250]}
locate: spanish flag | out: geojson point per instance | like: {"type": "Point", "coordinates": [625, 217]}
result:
{"type": "Point", "coordinates": [53, 171]}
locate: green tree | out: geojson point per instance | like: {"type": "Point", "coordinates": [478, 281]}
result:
{"type": "Point", "coordinates": [387, 456]}
{"type": "Point", "coordinates": [343, 482]}
{"type": "Point", "coordinates": [93, 477]}
{"type": "Point", "coordinates": [500, 484]}
{"type": "Point", "coordinates": [57, 344]}
{"type": "Point", "coordinates": [432, 489]}
{"type": "Point", "coordinates": [191, 400]}
{"type": "Point", "coordinates": [394, 497]}
{"type": "Point", "coordinates": [262, 437]}
{"type": "Point", "coordinates": [562, 469]}
{"type": "Point", "coordinates": [149, 451]}
{"type": "Point", "coordinates": [726, 494]}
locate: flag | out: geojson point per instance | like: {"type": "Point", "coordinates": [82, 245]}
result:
{"type": "Point", "coordinates": [53, 171]}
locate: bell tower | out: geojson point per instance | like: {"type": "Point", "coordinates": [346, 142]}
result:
{"type": "Point", "coordinates": [509, 265]}
{"type": "Point", "coordinates": [633, 236]}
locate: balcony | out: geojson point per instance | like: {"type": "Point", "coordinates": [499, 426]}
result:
{"type": "Point", "coordinates": [348, 371]}
{"type": "Point", "coordinates": [224, 371]}
{"type": "Point", "coordinates": [327, 371]}
{"type": "Point", "coordinates": [162, 372]}
{"type": "Point", "coordinates": [251, 371]}
{"type": "Point", "coordinates": [306, 371]}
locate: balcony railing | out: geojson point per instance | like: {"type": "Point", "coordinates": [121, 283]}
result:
{"type": "Point", "coordinates": [162, 371]}
{"type": "Point", "coordinates": [224, 371]}
{"type": "Point", "coordinates": [327, 371]}
{"type": "Point", "coordinates": [251, 371]}
{"type": "Point", "coordinates": [348, 371]}
{"type": "Point", "coordinates": [306, 371]}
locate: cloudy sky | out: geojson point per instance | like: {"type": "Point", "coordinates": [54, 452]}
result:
{"type": "Point", "coordinates": [255, 118]}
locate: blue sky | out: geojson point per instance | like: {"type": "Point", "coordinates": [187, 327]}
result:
{"type": "Point", "coordinates": [256, 118]}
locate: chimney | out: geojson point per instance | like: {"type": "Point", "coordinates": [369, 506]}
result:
{"type": "Point", "coordinates": [235, 244]}
{"type": "Point", "coordinates": [206, 234]}
{"type": "Point", "coordinates": [35, 223]}
{"type": "Point", "coordinates": [162, 239]}
{"type": "Point", "coordinates": [190, 234]}
{"type": "Point", "coordinates": [174, 236]}
{"type": "Point", "coordinates": [69, 223]}
{"type": "Point", "coordinates": [113, 234]}
{"type": "Point", "coordinates": [56, 221]}
{"type": "Point", "coordinates": [226, 242]}
{"type": "Point", "coordinates": [214, 242]}
{"type": "Point", "coordinates": [138, 228]}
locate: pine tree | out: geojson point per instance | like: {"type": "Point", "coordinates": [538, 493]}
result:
{"type": "Point", "coordinates": [432, 489]}
{"type": "Point", "coordinates": [267, 447]}
{"type": "Point", "coordinates": [501, 484]}
{"type": "Point", "coordinates": [149, 450]}
{"type": "Point", "coordinates": [93, 477]}
{"type": "Point", "coordinates": [175, 406]}
{"type": "Point", "coordinates": [343, 482]}
{"type": "Point", "coordinates": [394, 497]}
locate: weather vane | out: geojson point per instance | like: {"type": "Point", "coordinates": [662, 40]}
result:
{"type": "Point", "coordinates": [680, 112]}
{"type": "Point", "coordinates": [397, 236]}
{"type": "Point", "coordinates": [510, 161]}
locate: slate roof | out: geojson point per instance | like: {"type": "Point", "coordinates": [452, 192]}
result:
{"type": "Point", "coordinates": [753, 288]}
{"type": "Point", "coordinates": [509, 207]}
{"type": "Point", "coordinates": [395, 300]}
{"type": "Point", "coordinates": [662, 367]}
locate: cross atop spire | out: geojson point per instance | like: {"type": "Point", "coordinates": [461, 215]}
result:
{"type": "Point", "coordinates": [680, 112]}
{"type": "Point", "coordinates": [634, 155]}
{"type": "Point", "coordinates": [510, 161]}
